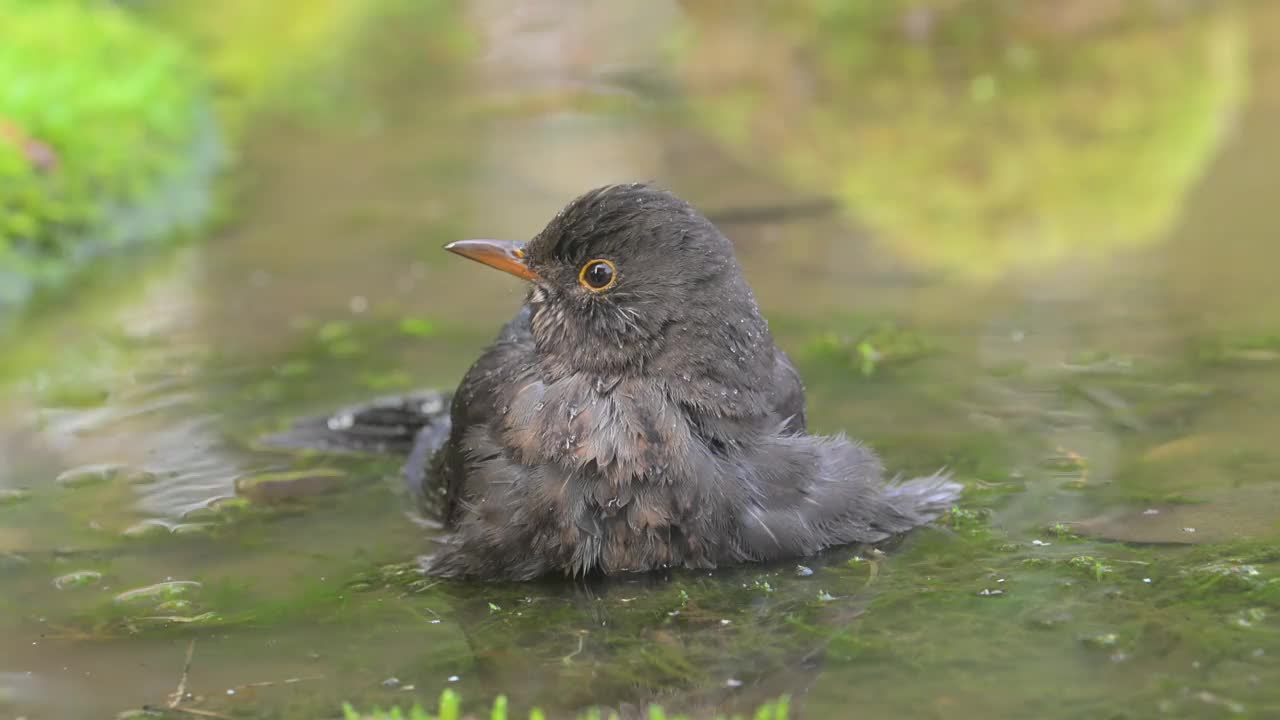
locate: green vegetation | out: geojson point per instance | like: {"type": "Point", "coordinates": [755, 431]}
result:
{"type": "Point", "coordinates": [1032, 140]}
{"type": "Point", "coordinates": [96, 113]}
{"type": "Point", "coordinates": [295, 55]}
{"type": "Point", "coordinates": [876, 348]}
{"type": "Point", "coordinates": [260, 53]}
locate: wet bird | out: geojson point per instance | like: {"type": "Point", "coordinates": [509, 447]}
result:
{"type": "Point", "coordinates": [634, 415]}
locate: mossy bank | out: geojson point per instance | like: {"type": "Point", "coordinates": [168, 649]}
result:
{"type": "Point", "coordinates": [106, 140]}
{"type": "Point", "coordinates": [117, 121]}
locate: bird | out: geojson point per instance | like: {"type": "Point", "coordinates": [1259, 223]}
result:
{"type": "Point", "coordinates": [636, 415]}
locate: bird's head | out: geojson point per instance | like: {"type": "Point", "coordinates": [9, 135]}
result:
{"type": "Point", "coordinates": [628, 279]}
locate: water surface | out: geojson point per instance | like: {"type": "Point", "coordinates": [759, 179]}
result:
{"type": "Point", "coordinates": [1039, 251]}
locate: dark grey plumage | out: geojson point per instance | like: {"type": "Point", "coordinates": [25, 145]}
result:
{"type": "Point", "coordinates": [649, 425]}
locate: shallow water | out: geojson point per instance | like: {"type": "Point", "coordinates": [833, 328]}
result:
{"type": "Point", "coordinates": [1078, 317]}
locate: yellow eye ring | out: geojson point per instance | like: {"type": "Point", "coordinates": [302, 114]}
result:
{"type": "Point", "coordinates": [598, 275]}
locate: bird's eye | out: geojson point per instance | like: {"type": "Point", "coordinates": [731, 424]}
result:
{"type": "Point", "coordinates": [598, 275]}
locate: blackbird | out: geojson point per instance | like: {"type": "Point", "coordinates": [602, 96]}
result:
{"type": "Point", "coordinates": [636, 414]}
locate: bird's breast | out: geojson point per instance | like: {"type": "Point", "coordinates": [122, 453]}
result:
{"type": "Point", "coordinates": [626, 431]}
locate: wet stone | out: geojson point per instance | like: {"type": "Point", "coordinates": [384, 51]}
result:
{"type": "Point", "coordinates": [146, 529]}
{"type": "Point", "coordinates": [9, 561]}
{"type": "Point", "coordinates": [175, 606]}
{"type": "Point", "coordinates": [271, 488]}
{"type": "Point", "coordinates": [78, 579]}
{"type": "Point", "coordinates": [136, 476]}
{"type": "Point", "coordinates": [193, 528]}
{"type": "Point", "coordinates": [224, 506]}
{"type": "Point", "coordinates": [201, 619]}
{"type": "Point", "coordinates": [102, 473]}
{"type": "Point", "coordinates": [12, 496]}
{"type": "Point", "coordinates": [200, 514]}
{"type": "Point", "coordinates": [1101, 640]}
{"type": "Point", "coordinates": [158, 593]}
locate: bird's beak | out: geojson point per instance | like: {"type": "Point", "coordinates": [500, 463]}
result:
{"type": "Point", "coordinates": [505, 255]}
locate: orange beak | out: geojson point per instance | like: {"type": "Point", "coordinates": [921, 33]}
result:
{"type": "Point", "coordinates": [505, 255]}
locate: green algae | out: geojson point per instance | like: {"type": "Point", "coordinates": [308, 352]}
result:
{"type": "Point", "coordinates": [875, 349]}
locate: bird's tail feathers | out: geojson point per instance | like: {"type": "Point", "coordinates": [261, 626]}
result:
{"type": "Point", "coordinates": [391, 424]}
{"type": "Point", "coordinates": [926, 497]}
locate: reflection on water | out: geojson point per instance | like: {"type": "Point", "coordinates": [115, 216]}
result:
{"type": "Point", "coordinates": [1043, 135]}
{"type": "Point", "coordinates": [1049, 270]}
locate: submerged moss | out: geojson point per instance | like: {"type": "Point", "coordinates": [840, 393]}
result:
{"type": "Point", "coordinates": [874, 349]}
{"type": "Point", "coordinates": [1249, 349]}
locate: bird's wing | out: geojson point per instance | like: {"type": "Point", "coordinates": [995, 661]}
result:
{"type": "Point", "coordinates": [420, 423]}
{"type": "Point", "coordinates": [806, 493]}
{"type": "Point", "coordinates": [474, 403]}
{"type": "Point", "coordinates": [788, 393]}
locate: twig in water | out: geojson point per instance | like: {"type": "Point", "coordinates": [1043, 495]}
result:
{"type": "Point", "coordinates": [568, 659]}
{"type": "Point", "coordinates": [176, 698]}
{"type": "Point", "coordinates": [186, 711]}
{"type": "Point", "coordinates": [273, 683]}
